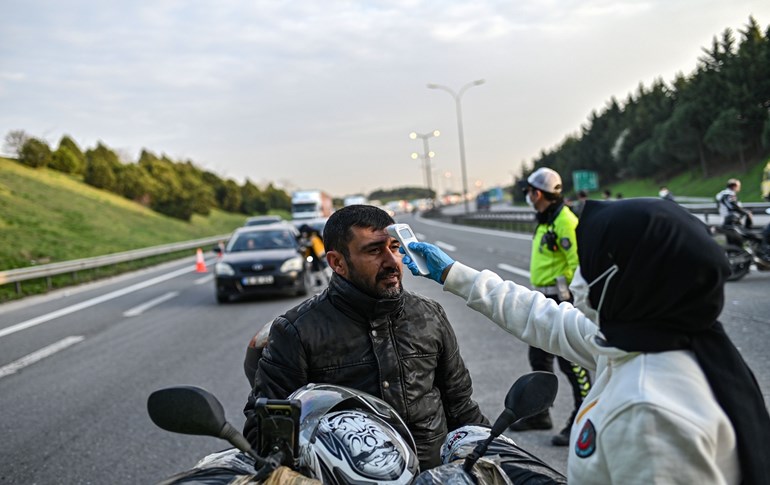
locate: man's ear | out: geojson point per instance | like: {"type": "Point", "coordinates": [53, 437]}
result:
{"type": "Point", "coordinates": [337, 263]}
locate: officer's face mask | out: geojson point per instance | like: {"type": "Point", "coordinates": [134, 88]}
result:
{"type": "Point", "coordinates": [528, 197]}
{"type": "Point", "coordinates": [580, 289]}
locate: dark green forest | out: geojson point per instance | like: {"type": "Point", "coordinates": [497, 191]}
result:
{"type": "Point", "coordinates": [709, 121]}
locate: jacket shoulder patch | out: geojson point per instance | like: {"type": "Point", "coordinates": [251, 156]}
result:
{"type": "Point", "coordinates": [565, 243]}
{"type": "Point", "coordinates": [585, 445]}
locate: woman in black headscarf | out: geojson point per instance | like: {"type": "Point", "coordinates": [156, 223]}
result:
{"type": "Point", "coordinates": [673, 400]}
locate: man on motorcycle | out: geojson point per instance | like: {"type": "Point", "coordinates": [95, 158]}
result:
{"type": "Point", "coordinates": [365, 332]}
{"type": "Point", "coordinates": [730, 208]}
{"type": "Point", "coordinates": [733, 212]}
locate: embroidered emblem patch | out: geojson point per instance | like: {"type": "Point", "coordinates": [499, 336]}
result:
{"type": "Point", "coordinates": [565, 243]}
{"type": "Point", "coordinates": [586, 442]}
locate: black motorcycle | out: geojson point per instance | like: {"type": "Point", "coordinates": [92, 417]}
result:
{"type": "Point", "coordinates": [339, 436]}
{"type": "Point", "coordinates": [742, 248]}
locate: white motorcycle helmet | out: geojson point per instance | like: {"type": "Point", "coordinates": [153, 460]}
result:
{"type": "Point", "coordinates": [347, 436]}
{"type": "Point", "coordinates": [459, 443]}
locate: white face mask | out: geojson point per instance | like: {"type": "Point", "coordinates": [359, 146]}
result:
{"type": "Point", "coordinates": [580, 289]}
{"type": "Point", "coordinates": [529, 201]}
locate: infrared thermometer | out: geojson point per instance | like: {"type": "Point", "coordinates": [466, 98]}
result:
{"type": "Point", "coordinates": [404, 234]}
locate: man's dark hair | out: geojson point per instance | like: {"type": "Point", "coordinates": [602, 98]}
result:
{"type": "Point", "coordinates": [337, 232]}
{"type": "Point", "coordinates": [582, 193]}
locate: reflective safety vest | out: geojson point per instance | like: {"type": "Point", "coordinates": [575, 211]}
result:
{"type": "Point", "coordinates": [554, 250]}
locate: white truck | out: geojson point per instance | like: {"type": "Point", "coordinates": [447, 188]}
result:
{"type": "Point", "coordinates": [311, 204]}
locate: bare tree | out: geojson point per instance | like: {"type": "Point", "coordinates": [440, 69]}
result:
{"type": "Point", "coordinates": [14, 140]}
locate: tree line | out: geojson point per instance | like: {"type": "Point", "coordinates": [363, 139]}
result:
{"type": "Point", "coordinates": [174, 188]}
{"type": "Point", "coordinates": [402, 193]}
{"type": "Point", "coordinates": [714, 119]}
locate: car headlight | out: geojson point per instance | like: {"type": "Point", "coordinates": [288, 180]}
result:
{"type": "Point", "coordinates": [224, 269]}
{"type": "Point", "coordinates": [293, 264]}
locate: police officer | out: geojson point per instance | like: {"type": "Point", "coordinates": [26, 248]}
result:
{"type": "Point", "coordinates": [552, 265]}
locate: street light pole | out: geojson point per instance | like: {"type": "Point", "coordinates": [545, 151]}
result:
{"type": "Point", "coordinates": [427, 155]}
{"type": "Point", "coordinates": [457, 97]}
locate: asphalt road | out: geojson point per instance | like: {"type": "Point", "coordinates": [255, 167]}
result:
{"type": "Point", "coordinates": [76, 366]}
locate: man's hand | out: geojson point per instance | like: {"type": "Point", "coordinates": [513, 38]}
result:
{"type": "Point", "coordinates": [437, 260]}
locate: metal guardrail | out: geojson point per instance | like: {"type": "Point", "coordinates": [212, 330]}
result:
{"type": "Point", "coordinates": [54, 269]}
{"type": "Point", "coordinates": [525, 215]}
{"type": "Point", "coordinates": [707, 209]}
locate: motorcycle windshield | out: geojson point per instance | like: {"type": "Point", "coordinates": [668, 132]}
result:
{"type": "Point", "coordinates": [319, 399]}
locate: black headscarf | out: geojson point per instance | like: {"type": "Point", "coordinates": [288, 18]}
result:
{"type": "Point", "coordinates": [667, 295]}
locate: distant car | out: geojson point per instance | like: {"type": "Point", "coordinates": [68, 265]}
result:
{"type": "Point", "coordinates": [261, 220]}
{"type": "Point", "coordinates": [261, 260]}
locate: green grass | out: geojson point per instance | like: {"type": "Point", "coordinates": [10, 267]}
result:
{"type": "Point", "coordinates": [47, 216]}
{"type": "Point", "coordinates": [694, 185]}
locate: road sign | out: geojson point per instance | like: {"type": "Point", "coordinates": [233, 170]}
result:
{"type": "Point", "coordinates": [585, 180]}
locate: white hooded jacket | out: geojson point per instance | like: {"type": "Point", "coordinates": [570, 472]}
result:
{"type": "Point", "coordinates": [650, 418]}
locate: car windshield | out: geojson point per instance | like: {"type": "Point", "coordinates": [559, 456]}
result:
{"type": "Point", "coordinates": [258, 221]}
{"type": "Point", "coordinates": [252, 241]}
{"type": "Point", "coordinates": [304, 207]}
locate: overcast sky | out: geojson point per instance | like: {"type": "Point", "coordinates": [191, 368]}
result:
{"type": "Point", "coordinates": [323, 94]}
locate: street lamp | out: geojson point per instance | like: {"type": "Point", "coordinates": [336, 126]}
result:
{"type": "Point", "coordinates": [427, 154]}
{"type": "Point", "coordinates": [457, 96]}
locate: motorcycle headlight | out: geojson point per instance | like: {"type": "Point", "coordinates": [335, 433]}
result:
{"type": "Point", "coordinates": [224, 269]}
{"type": "Point", "coordinates": [293, 264]}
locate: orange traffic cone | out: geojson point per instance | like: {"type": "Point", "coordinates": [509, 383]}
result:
{"type": "Point", "coordinates": [200, 264]}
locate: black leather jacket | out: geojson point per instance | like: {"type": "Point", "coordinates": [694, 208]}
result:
{"type": "Point", "coordinates": [401, 350]}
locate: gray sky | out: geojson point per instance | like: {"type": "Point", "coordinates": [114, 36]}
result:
{"type": "Point", "coordinates": [324, 94]}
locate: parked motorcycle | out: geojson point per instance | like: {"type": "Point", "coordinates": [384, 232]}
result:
{"type": "Point", "coordinates": [742, 247]}
{"type": "Point", "coordinates": [347, 436]}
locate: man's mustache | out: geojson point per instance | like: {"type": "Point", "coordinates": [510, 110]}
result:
{"type": "Point", "coordinates": [387, 274]}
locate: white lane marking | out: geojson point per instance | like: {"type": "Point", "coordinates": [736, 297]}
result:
{"type": "Point", "coordinates": [89, 303]}
{"type": "Point", "coordinates": [204, 280]}
{"type": "Point", "coordinates": [56, 294]}
{"type": "Point", "coordinates": [446, 246]}
{"type": "Point", "coordinates": [138, 310]}
{"type": "Point", "coordinates": [513, 269]}
{"type": "Point", "coordinates": [41, 354]}
{"type": "Point", "coordinates": [476, 230]}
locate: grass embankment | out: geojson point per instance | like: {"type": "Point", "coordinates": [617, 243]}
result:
{"type": "Point", "coordinates": [683, 185]}
{"type": "Point", "coordinates": [694, 185]}
{"type": "Point", "coordinates": [47, 216]}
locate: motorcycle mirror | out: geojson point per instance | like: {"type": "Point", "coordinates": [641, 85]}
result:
{"type": "Point", "coordinates": [531, 394]}
{"type": "Point", "coordinates": [192, 410]}
{"type": "Point", "coordinates": [187, 410]}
